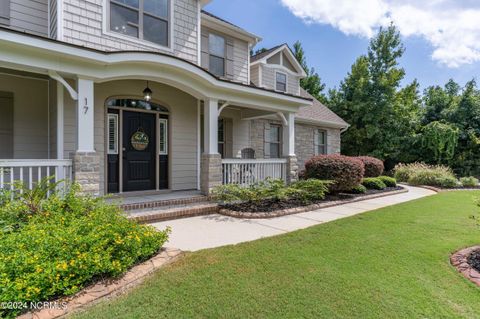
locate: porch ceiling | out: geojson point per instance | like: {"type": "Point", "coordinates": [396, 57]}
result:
{"type": "Point", "coordinates": [40, 55]}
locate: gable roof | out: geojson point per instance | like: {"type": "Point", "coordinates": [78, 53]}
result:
{"type": "Point", "coordinates": [215, 22]}
{"type": "Point", "coordinates": [318, 112]}
{"type": "Point", "coordinates": [262, 57]}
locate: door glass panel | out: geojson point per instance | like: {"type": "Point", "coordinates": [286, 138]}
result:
{"type": "Point", "coordinates": [163, 136]}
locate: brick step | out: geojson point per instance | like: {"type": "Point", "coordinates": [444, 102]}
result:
{"type": "Point", "coordinates": [159, 214]}
{"type": "Point", "coordinates": [165, 203]}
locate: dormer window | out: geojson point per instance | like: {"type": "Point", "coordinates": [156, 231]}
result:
{"type": "Point", "coordinates": [281, 82]}
{"type": "Point", "coordinates": [216, 49]}
{"type": "Point", "coordinates": [147, 20]}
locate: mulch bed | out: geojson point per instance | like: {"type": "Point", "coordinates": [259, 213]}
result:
{"type": "Point", "coordinates": [271, 205]}
{"type": "Point", "coordinates": [467, 262]}
{"type": "Point", "coordinates": [271, 209]}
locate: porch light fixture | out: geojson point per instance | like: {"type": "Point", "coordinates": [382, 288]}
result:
{"type": "Point", "coordinates": [147, 93]}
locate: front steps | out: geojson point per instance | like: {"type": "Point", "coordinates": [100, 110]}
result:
{"type": "Point", "coordinates": [162, 210]}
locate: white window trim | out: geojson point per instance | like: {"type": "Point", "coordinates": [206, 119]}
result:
{"type": "Point", "coordinates": [115, 117]}
{"type": "Point", "coordinates": [171, 31]}
{"type": "Point", "coordinates": [316, 145]}
{"type": "Point", "coordinates": [165, 122]}
{"type": "Point", "coordinates": [286, 81]}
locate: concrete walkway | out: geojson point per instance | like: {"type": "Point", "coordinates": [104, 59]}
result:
{"type": "Point", "coordinates": [211, 231]}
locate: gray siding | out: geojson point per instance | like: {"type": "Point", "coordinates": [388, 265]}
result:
{"type": "Point", "coordinates": [268, 79]}
{"type": "Point", "coordinates": [30, 16]}
{"type": "Point", "coordinates": [241, 55]}
{"type": "Point", "coordinates": [30, 116]}
{"type": "Point", "coordinates": [83, 26]}
{"type": "Point", "coordinates": [255, 75]}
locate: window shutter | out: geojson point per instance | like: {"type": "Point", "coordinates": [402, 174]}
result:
{"type": "Point", "coordinates": [315, 142]}
{"type": "Point", "coordinates": [5, 12]}
{"type": "Point", "coordinates": [230, 58]}
{"type": "Point", "coordinates": [266, 139]}
{"type": "Point", "coordinates": [205, 53]}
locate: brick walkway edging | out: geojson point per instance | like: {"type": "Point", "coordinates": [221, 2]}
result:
{"type": "Point", "coordinates": [459, 261]}
{"type": "Point", "coordinates": [107, 288]}
{"type": "Point", "coordinates": [304, 209]}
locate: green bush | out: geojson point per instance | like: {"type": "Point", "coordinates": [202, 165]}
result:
{"type": "Point", "coordinates": [469, 181]}
{"type": "Point", "coordinates": [360, 189]}
{"type": "Point", "coordinates": [373, 183]}
{"type": "Point", "coordinates": [65, 243]}
{"type": "Point", "coordinates": [305, 190]}
{"type": "Point", "coordinates": [389, 181]}
{"type": "Point", "coordinates": [309, 190]}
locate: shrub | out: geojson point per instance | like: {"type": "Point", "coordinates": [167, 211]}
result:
{"type": "Point", "coordinates": [469, 181]}
{"type": "Point", "coordinates": [440, 176]}
{"type": "Point", "coordinates": [360, 189]}
{"type": "Point", "coordinates": [389, 181]}
{"type": "Point", "coordinates": [373, 166]}
{"type": "Point", "coordinates": [305, 191]}
{"type": "Point", "coordinates": [309, 190]}
{"type": "Point", "coordinates": [69, 242]}
{"type": "Point", "coordinates": [345, 172]}
{"type": "Point", "coordinates": [403, 172]}
{"type": "Point", "coordinates": [373, 183]}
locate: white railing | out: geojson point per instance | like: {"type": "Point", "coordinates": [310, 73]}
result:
{"type": "Point", "coordinates": [30, 172]}
{"type": "Point", "coordinates": [251, 171]}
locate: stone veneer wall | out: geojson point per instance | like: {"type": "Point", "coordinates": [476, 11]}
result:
{"type": "Point", "coordinates": [83, 26]}
{"type": "Point", "coordinates": [86, 172]}
{"type": "Point", "coordinates": [211, 172]}
{"type": "Point", "coordinates": [304, 140]}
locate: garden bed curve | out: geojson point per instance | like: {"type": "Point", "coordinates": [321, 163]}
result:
{"type": "Point", "coordinates": [304, 209]}
{"type": "Point", "coordinates": [459, 260]}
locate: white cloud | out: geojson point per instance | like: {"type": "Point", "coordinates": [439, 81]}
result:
{"type": "Point", "coordinates": [451, 27]}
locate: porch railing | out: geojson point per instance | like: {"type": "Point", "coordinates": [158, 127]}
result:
{"type": "Point", "coordinates": [30, 172]}
{"type": "Point", "coordinates": [250, 171]}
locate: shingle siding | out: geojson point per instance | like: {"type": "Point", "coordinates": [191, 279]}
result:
{"type": "Point", "coordinates": [83, 25]}
{"type": "Point", "coordinates": [268, 79]}
{"type": "Point", "coordinates": [29, 16]}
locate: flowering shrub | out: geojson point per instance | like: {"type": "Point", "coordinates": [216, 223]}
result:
{"type": "Point", "coordinates": [346, 172]}
{"type": "Point", "coordinates": [68, 243]}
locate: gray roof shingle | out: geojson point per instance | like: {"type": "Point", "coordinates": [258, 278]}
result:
{"type": "Point", "coordinates": [318, 112]}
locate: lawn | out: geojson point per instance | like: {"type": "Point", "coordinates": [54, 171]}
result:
{"type": "Point", "coordinates": [390, 263]}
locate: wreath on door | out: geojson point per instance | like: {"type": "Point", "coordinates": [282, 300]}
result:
{"type": "Point", "coordinates": [140, 140]}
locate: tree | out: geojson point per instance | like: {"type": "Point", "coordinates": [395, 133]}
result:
{"type": "Point", "coordinates": [381, 114]}
{"type": "Point", "coordinates": [252, 53]}
{"type": "Point", "coordinates": [312, 83]}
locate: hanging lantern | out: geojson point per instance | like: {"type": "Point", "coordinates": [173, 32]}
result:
{"type": "Point", "coordinates": [147, 93]}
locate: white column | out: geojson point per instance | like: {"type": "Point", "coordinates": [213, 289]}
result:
{"type": "Point", "coordinates": [60, 121]}
{"type": "Point", "coordinates": [210, 118]}
{"type": "Point", "coordinates": [85, 116]}
{"type": "Point", "coordinates": [289, 135]}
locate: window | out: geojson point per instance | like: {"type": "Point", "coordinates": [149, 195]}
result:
{"type": "Point", "coordinates": [281, 82]}
{"type": "Point", "coordinates": [275, 141]}
{"type": "Point", "coordinates": [143, 19]}
{"type": "Point", "coordinates": [113, 134]}
{"type": "Point", "coordinates": [216, 49]}
{"type": "Point", "coordinates": [321, 142]}
{"type": "Point", "coordinates": [163, 137]}
{"type": "Point", "coordinates": [221, 137]}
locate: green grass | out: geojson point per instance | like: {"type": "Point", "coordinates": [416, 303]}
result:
{"type": "Point", "coordinates": [390, 263]}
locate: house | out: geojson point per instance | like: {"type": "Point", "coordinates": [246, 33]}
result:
{"type": "Point", "coordinates": [130, 96]}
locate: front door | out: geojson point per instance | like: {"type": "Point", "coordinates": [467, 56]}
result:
{"type": "Point", "coordinates": [139, 151]}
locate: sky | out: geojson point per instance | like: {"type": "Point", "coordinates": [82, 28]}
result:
{"type": "Point", "coordinates": [441, 37]}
